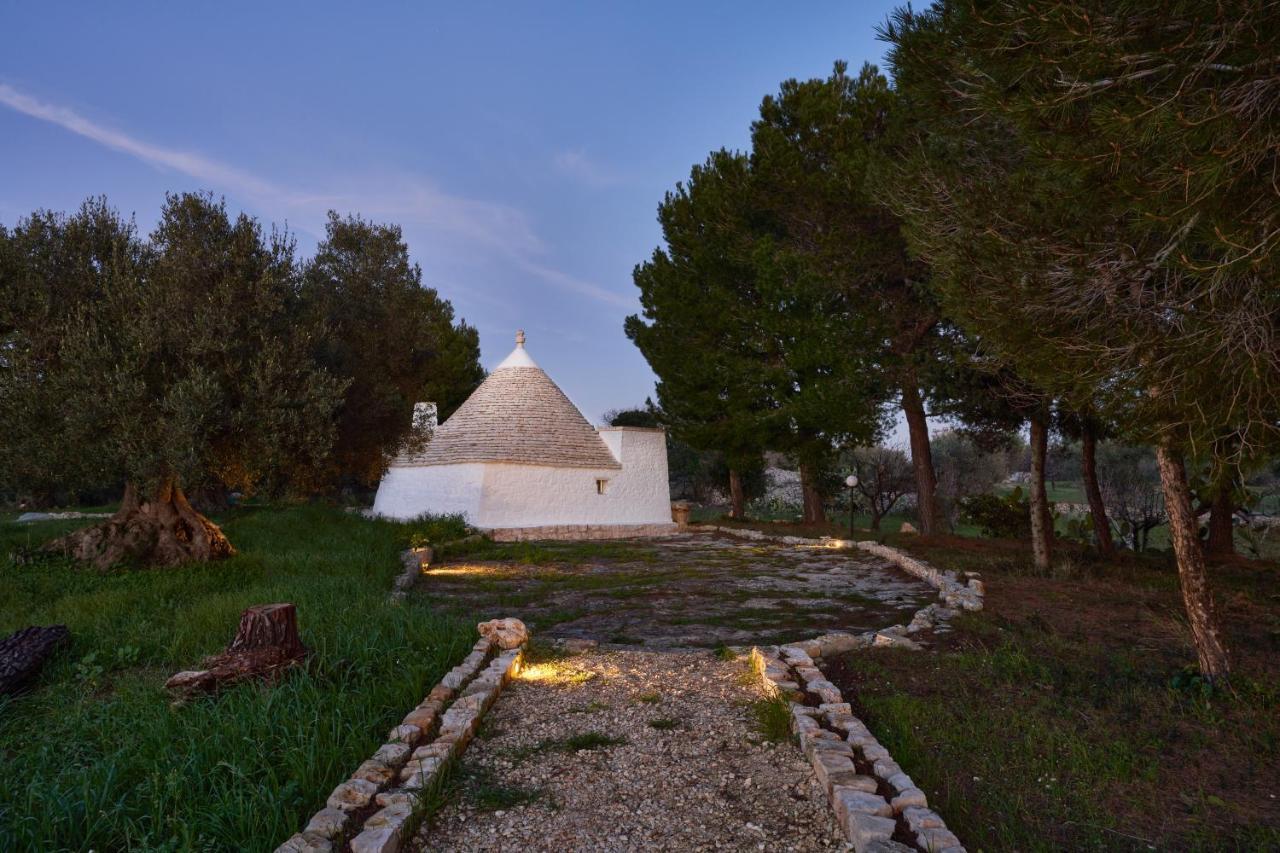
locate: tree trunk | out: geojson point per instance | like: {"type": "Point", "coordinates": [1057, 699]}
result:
{"type": "Point", "coordinates": [1221, 541]}
{"type": "Point", "coordinates": [159, 530]}
{"type": "Point", "coordinates": [875, 521]}
{"type": "Point", "coordinates": [921, 458]}
{"type": "Point", "coordinates": [737, 498]}
{"type": "Point", "coordinates": [1211, 649]}
{"type": "Point", "coordinates": [1041, 520]}
{"type": "Point", "coordinates": [813, 509]}
{"type": "Point", "coordinates": [1097, 509]}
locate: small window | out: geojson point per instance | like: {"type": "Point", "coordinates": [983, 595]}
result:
{"type": "Point", "coordinates": [600, 484]}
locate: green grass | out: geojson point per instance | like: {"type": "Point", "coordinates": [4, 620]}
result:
{"type": "Point", "coordinates": [95, 755]}
{"type": "Point", "coordinates": [665, 724]}
{"type": "Point", "coordinates": [773, 718]}
{"type": "Point", "coordinates": [591, 740]}
{"type": "Point", "coordinates": [1063, 717]}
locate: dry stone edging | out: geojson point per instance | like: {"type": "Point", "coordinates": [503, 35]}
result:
{"type": "Point", "coordinates": [417, 560]}
{"type": "Point", "coordinates": [375, 810]}
{"type": "Point", "coordinates": [873, 799]}
{"type": "Point", "coordinates": [955, 595]}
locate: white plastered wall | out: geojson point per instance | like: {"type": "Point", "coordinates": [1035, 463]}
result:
{"type": "Point", "coordinates": [407, 491]}
{"type": "Point", "coordinates": [503, 494]}
{"type": "Point", "coordinates": [541, 496]}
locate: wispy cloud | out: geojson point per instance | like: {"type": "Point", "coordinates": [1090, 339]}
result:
{"type": "Point", "coordinates": [186, 162]}
{"type": "Point", "coordinates": [577, 165]}
{"type": "Point", "coordinates": [492, 227]}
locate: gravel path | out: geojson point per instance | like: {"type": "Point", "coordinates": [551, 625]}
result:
{"type": "Point", "coordinates": [704, 778]}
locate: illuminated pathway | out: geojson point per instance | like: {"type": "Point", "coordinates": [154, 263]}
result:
{"type": "Point", "coordinates": [631, 750]}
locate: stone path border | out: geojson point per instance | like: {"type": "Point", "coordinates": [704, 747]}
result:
{"type": "Point", "coordinates": [956, 596]}
{"type": "Point", "coordinates": [376, 810]}
{"type": "Point", "coordinates": [872, 797]}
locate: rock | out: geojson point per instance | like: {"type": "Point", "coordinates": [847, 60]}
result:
{"type": "Point", "coordinates": [860, 783]}
{"type": "Point", "coordinates": [833, 769]}
{"type": "Point", "coordinates": [422, 718]}
{"type": "Point", "coordinates": [406, 733]}
{"type": "Point", "coordinates": [352, 795]}
{"type": "Point", "coordinates": [900, 782]}
{"type": "Point", "coordinates": [919, 819]}
{"type": "Point", "coordinates": [507, 633]}
{"type": "Point", "coordinates": [909, 798]}
{"type": "Point", "coordinates": [383, 832]}
{"type": "Point", "coordinates": [433, 750]}
{"type": "Point", "coordinates": [864, 802]}
{"type": "Point", "coordinates": [396, 797]}
{"type": "Point", "coordinates": [374, 771]}
{"type": "Point", "coordinates": [937, 839]}
{"type": "Point", "coordinates": [907, 528]}
{"type": "Point", "coordinates": [838, 643]}
{"type": "Point", "coordinates": [306, 842]}
{"type": "Point", "coordinates": [440, 693]}
{"type": "Point", "coordinates": [861, 828]}
{"type": "Point", "coordinates": [874, 752]}
{"type": "Point", "coordinates": [895, 641]}
{"type": "Point", "coordinates": [393, 754]}
{"type": "Point", "coordinates": [327, 823]}
{"type": "Point", "coordinates": [885, 768]}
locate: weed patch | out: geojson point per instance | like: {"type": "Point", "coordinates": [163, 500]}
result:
{"type": "Point", "coordinates": [773, 718]}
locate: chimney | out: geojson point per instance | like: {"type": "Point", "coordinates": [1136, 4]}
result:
{"type": "Point", "coordinates": [424, 417]}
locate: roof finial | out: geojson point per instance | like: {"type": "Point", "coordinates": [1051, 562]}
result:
{"type": "Point", "coordinates": [519, 337]}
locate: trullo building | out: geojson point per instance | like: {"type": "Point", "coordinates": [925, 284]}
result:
{"type": "Point", "coordinates": [519, 460]}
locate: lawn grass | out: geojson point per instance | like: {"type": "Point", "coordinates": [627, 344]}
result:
{"type": "Point", "coordinates": [96, 757]}
{"type": "Point", "coordinates": [1066, 715]}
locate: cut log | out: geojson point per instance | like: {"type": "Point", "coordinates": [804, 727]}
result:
{"type": "Point", "coordinates": [266, 645]}
{"type": "Point", "coordinates": [24, 652]}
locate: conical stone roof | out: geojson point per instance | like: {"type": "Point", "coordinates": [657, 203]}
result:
{"type": "Point", "coordinates": [517, 415]}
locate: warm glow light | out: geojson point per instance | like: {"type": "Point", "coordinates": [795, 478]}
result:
{"type": "Point", "coordinates": [561, 672]}
{"type": "Point", "coordinates": [468, 570]}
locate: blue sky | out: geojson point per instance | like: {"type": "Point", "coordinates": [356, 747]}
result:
{"type": "Point", "coordinates": [523, 147]}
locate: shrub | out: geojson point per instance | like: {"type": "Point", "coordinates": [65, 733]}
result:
{"type": "Point", "coordinates": [998, 516]}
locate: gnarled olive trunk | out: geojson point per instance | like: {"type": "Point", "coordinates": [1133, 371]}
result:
{"type": "Point", "coordinates": [159, 529]}
{"type": "Point", "coordinates": [813, 509]}
{"type": "Point", "coordinates": [1097, 509]}
{"type": "Point", "coordinates": [921, 458]}
{"type": "Point", "coordinates": [1211, 649]}
{"type": "Point", "coordinates": [737, 496]}
{"type": "Point", "coordinates": [1041, 520]}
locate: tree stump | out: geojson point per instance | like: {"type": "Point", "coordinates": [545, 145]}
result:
{"type": "Point", "coordinates": [23, 653]}
{"type": "Point", "coordinates": [266, 625]}
{"type": "Point", "coordinates": [266, 645]}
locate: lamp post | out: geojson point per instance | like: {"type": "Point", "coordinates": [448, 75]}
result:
{"type": "Point", "coordinates": [852, 482]}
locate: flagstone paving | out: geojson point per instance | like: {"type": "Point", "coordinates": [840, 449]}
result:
{"type": "Point", "coordinates": [631, 750]}
{"type": "Point", "coordinates": [695, 590]}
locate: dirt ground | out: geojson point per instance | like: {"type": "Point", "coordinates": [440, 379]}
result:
{"type": "Point", "coordinates": [627, 751]}
{"type": "Point", "coordinates": [696, 590]}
